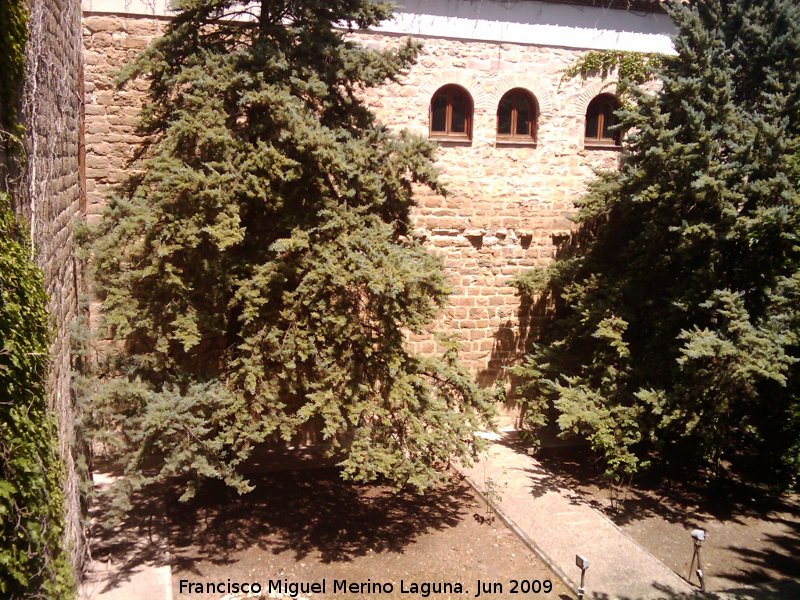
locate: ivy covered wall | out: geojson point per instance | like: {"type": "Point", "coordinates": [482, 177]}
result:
{"type": "Point", "coordinates": [33, 562]}
{"type": "Point", "coordinates": [40, 112]}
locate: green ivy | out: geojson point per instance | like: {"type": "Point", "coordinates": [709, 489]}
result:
{"type": "Point", "coordinates": [33, 560]}
{"type": "Point", "coordinates": [33, 563]}
{"type": "Point", "coordinates": [13, 38]}
{"type": "Point", "coordinates": [632, 68]}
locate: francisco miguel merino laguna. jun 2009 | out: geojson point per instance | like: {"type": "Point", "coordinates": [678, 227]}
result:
{"type": "Point", "coordinates": [343, 586]}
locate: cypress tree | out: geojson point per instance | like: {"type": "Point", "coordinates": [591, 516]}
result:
{"type": "Point", "coordinates": [257, 274]}
{"type": "Point", "coordinates": [675, 304]}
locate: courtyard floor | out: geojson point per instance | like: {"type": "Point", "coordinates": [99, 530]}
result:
{"type": "Point", "coordinates": [308, 526]}
{"type": "Point", "coordinates": [753, 536]}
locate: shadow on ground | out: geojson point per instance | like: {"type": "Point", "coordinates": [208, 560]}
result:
{"type": "Point", "coordinates": [677, 496]}
{"type": "Point", "coordinates": [755, 532]}
{"type": "Point", "coordinates": [312, 512]}
{"type": "Point", "coordinates": [783, 590]}
{"type": "Point", "coordinates": [305, 512]}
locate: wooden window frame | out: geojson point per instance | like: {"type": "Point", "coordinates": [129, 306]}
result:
{"type": "Point", "coordinates": [451, 90]}
{"type": "Point", "coordinates": [533, 123]}
{"type": "Point", "coordinates": [599, 103]}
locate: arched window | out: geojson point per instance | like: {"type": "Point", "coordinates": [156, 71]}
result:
{"type": "Point", "coordinates": [599, 120]}
{"type": "Point", "coordinates": [517, 114]}
{"type": "Point", "coordinates": [451, 113]}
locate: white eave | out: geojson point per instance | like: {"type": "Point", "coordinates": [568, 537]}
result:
{"type": "Point", "coordinates": [159, 8]}
{"type": "Point", "coordinates": [540, 23]}
{"type": "Point", "coordinates": [566, 25]}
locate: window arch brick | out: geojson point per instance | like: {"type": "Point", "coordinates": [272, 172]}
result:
{"type": "Point", "coordinates": [517, 116]}
{"type": "Point", "coordinates": [450, 113]}
{"type": "Point", "coordinates": [600, 118]}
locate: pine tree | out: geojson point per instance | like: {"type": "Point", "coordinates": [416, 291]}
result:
{"type": "Point", "coordinates": [675, 305]}
{"type": "Point", "coordinates": [257, 274]}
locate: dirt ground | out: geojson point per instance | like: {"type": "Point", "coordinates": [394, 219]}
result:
{"type": "Point", "coordinates": [753, 537]}
{"type": "Point", "coordinates": [309, 526]}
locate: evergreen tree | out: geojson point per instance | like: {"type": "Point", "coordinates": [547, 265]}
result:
{"type": "Point", "coordinates": [675, 313]}
{"type": "Point", "coordinates": [257, 274]}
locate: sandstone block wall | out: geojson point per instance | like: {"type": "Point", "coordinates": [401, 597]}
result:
{"type": "Point", "coordinates": [110, 42]}
{"type": "Point", "coordinates": [48, 194]}
{"type": "Point", "coordinates": [506, 207]}
{"type": "Point", "coordinates": [507, 204]}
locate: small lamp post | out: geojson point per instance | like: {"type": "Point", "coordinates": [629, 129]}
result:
{"type": "Point", "coordinates": [582, 563]}
{"type": "Point", "coordinates": [698, 537]}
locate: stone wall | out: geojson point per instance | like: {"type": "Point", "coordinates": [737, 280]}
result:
{"type": "Point", "coordinates": [506, 206]}
{"type": "Point", "coordinates": [48, 194]}
{"type": "Point", "coordinates": [110, 42]}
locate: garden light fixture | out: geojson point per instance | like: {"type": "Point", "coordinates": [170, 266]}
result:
{"type": "Point", "coordinates": [582, 563]}
{"type": "Point", "coordinates": [698, 537]}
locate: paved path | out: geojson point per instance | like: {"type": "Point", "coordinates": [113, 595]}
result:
{"type": "Point", "coordinates": [118, 578]}
{"type": "Point", "coordinates": [559, 525]}
{"type": "Point", "coordinates": [148, 582]}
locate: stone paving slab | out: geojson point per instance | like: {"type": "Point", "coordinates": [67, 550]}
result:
{"type": "Point", "coordinates": [559, 525]}
{"type": "Point", "coordinates": [118, 579]}
{"type": "Point", "coordinates": [149, 582]}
